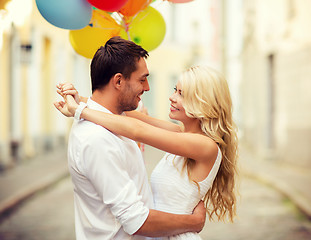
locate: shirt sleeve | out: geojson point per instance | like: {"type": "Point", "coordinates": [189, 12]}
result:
{"type": "Point", "coordinates": [106, 167]}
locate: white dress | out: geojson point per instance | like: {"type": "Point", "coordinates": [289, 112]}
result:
{"type": "Point", "coordinates": [173, 192]}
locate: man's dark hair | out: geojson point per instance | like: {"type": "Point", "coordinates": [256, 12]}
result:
{"type": "Point", "coordinates": [116, 56]}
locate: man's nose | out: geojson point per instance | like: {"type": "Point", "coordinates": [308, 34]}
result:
{"type": "Point", "coordinates": [147, 87]}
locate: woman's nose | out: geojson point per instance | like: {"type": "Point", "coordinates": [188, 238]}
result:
{"type": "Point", "coordinates": [172, 98]}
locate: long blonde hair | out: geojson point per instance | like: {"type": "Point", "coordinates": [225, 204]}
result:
{"type": "Point", "coordinates": [206, 97]}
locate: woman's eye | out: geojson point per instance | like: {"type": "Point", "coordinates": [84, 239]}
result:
{"type": "Point", "coordinates": [175, 89]}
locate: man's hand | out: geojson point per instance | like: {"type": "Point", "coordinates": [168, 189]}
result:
{"type": "Point", "coordinates": [200, 212]}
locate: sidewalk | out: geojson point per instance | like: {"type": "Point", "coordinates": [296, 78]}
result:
{"type": "Point", "coordinates": [24, 180]}
{"type": "Point", "coordinates": [294, 183]}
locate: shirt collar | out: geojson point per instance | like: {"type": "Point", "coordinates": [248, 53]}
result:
{"type": "Point", "coordinates": [94, 105]}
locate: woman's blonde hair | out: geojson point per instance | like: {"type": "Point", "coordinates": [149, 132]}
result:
{"type": "Point", "coordinates": [206, 97]}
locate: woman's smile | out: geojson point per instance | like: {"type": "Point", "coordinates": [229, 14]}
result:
{"type": "Point", "coordinates": [174, 108]}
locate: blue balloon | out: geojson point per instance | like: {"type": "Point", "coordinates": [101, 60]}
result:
{"type": "Point", "coordinates": [67, 14]}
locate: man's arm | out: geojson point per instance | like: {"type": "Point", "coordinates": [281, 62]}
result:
{"type": "Point", "coordinates": [159, 224]}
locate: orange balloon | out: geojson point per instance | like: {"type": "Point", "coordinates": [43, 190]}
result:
{"type": "Point", "coordinates": [132, 7]}
{"type": "Point", "coordinates": [87, 40]}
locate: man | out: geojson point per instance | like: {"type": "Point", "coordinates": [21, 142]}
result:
{"type": "Point", "coordinates": [112, 196]}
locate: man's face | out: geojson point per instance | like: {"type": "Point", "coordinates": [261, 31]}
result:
{"type": "Point", "coordinates": [134, 87]}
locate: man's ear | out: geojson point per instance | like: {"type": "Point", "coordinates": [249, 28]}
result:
{"type": "Point", "coordinates": [117, 80]}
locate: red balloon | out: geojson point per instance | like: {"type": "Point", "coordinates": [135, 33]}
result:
{"type": "Point", "coordinates": [108, 5]}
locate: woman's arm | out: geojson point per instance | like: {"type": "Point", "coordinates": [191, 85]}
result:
{"type": "Point", "coordinates": [191, 145]}
{"type": "Point", "coordinates": [154, 121]}
{"type": "Point", "coordinates": [83, 99]}
{"type": "Point", "coordinates": [69, 89]}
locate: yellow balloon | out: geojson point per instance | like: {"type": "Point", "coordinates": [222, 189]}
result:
{"type": "Point", "coordinates": [147, 29]}
{"type": "Point", "coordinates": [87, 40]}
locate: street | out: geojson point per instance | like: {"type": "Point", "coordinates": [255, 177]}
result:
{"type": "Point", "coordinates": [263, 213]}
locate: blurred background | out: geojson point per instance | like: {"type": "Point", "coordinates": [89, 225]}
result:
{"type": "Point", "coordinates": [262, 47]}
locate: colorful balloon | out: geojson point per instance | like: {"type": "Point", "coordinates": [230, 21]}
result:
{"type": "Point", "coordinates": [86, 41]}
{"type": "Point", "coordinates": [67, 14]}
{"type": "Point", "coordinates": [147, 29]}
{"type": "Point", "coordinates": [132, 7]}
{"type": "Point", "coordinates": [107, 5]}
{"type": "Point", "coordinates": [179, 1]}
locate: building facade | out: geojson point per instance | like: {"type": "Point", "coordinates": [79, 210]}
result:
{"type": "Point", "coordinates": [34, 57]}
{"type": "Point", "coordinates": [275, 84]}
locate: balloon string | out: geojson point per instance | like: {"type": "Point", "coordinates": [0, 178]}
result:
{"type": "Point", "coordinates": [147, 3]}
{"type": "Point", "coordinates": [125, 23]}
{"type": "Point", "coordinates": [127, 26]}
{"type": "Point", "coordinates": [97, 23]}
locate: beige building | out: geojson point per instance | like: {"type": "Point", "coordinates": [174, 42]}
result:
{"type": "Point", "coordinates": [276, 83]}
{"type": "Point", "coordinates": [34, 57]}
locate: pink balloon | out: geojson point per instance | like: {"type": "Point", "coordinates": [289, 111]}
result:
{"type": "Point", "coordinates": [179, 1]}
{"type": "Point", "coordinates": [108, 5]}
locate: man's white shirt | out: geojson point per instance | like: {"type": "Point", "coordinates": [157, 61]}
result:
{"type": "Point", "coordinates": [112, 196]}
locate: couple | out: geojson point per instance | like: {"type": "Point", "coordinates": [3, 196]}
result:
{"type": "Point", "coordinates": [112, 197]}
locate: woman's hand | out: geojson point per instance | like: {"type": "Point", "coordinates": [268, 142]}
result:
{"type": "Point", "coordinates": [67, 108]}
{"type": "Point", "coordinates": [71, 97]}
{"type": "Point", "coordinates": [64, 89]}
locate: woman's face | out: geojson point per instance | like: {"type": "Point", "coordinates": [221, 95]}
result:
{"type": "Point", "coordinates": [177, 111]}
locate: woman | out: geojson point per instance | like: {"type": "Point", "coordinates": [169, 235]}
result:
{"type": "Point", "coordinates": [200, 162]}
